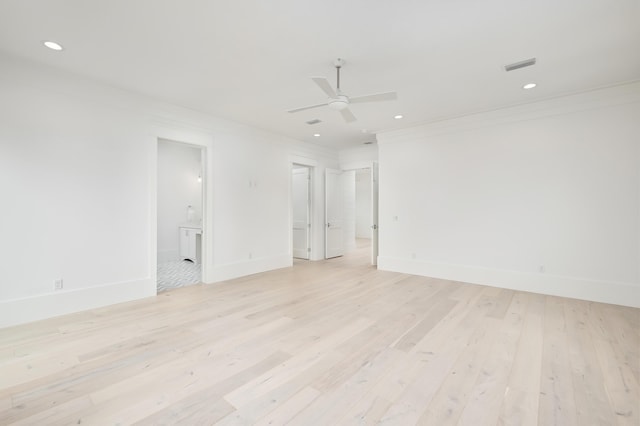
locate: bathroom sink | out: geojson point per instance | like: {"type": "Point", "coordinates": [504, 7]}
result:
{"type": "Point", "coordinates": [193, 225]}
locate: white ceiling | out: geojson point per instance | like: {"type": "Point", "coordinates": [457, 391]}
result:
{"type": "Point", "coordinates": [251, 60]}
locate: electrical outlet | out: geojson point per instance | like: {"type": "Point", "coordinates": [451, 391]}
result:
{"type": "Point", "coordinates": [57, 284]}
{"type": "Point", "coordinates": [250, 255]}
{"type": "Point", "coordinates": [542, 269]}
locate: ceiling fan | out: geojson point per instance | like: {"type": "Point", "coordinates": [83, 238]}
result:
{"type": "Point", "coordinates": [339, 101]}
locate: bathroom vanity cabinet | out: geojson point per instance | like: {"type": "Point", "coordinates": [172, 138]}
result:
{"type": "Point", "coordinates": [190, 242]}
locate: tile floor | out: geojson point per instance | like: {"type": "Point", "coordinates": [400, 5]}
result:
{"type": "Point", "coordinates": [177, 273]}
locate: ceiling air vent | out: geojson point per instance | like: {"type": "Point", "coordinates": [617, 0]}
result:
{"type": "Point", "coordinates": [521, 64]}
{"type": "Point", "coordinates": [314, 121]}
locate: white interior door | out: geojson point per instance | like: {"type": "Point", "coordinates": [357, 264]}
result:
{"type": "Point", "coordinates": [349, 196]}
{"type": "Point", "coordinates": [301, 212]}
{"type": "Point", "coordinates": [374, 214]}
{"type": "Point", "coordinates": [334, 242]}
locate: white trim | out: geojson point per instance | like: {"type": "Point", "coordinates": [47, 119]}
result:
{"type": "Point", "coordinates": [43, 306]}
{"type": "Point", "coordinates": [310, 206]}
{"type": "Point", "coordinates": [563, 105]}
{"type": "Point", "coordinates": [625, 294]}
{"type": "Point", "coordinates": [317, 220]}
{"type": "Point", "coordinates": [303, 161]}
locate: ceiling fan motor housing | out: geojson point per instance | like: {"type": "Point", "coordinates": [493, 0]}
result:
{"type": "Point", "coordinates": [340, 103]}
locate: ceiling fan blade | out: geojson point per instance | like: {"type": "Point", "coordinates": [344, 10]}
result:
{"type": "Point", "coordinates": [307, 107]}
{"type": "Point", "coordinates": [348, 115]}
{"type": "Point", "coordinates": [387, 96]}
{"type": "Point", "coordinates": [324, 85]}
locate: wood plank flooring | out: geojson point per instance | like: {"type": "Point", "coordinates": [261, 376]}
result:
{"type": "Point", "coordinates": [328, 343]}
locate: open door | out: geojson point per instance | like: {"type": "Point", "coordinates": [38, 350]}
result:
{"type": "Point", "coordinates": [301, 212]}
{"type": "Point", "coordinates": [334, 242]}
{"type": "Point", "coordinates": [374, 214]}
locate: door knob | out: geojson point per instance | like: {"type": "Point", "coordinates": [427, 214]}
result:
{"type": "Point", "coordinates": [374, 226]}
{"type": "Point", "coordinates": [328, 225]}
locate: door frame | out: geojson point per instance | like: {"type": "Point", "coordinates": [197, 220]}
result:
{"type": "Point", "coordinates": [327, 224]}
{"type": "Point", "coordinates": [375, 212]}
{"type": "Point", "coordinates": [203, 144]}
{"type": "Point", "coordinates": [312, 165]}
{"type": "Point", "coordinates": [309, 209]}
{"type": "Point", "coordinates": [375, 204]}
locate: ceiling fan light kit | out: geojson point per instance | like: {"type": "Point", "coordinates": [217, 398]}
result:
{"type": "Point", "coordinates": [339, 101]}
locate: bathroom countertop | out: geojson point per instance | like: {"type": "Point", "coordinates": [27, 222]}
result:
{"type": "Point", "coordinates": [194, 225]}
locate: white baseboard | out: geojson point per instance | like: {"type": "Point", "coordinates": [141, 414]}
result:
{"type": "Point", "coordinates": [625, 294]}
{"type": "Point", "coordinates": [230, 271]}
{"type": "Point", "coordinates": [28, 309]}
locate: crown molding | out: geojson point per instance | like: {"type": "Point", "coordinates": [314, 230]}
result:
{"type": "Point", "coordinates": [623, 94]}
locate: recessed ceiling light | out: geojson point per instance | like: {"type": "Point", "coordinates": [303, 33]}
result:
{"type": "Point", "coordinates": [53, 45]}
{"type": "Point", "coordinates": [529, 86]}
{"type": "Point", "coordinates": [398, 117]}
{"type": "Point", "coordinates": [317, 135]}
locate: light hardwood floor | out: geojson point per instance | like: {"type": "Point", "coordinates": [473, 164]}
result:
{"type": "Point", "coordinates": [327, 343]}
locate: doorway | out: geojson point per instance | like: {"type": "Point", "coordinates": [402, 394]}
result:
{"type": "Point", "coordinates": [363, 208]}
{"type": "Point", "coordinates": [180, 213]}
{"type": "Point", "coordinates": [334, 197]}
{"type": "Point", "coordinates": [360, 209]}
{"type": "Point", "coordinates": [301, 211]}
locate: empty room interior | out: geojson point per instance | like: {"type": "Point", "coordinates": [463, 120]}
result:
{"type": "Point", "coordinates": [320, 213]}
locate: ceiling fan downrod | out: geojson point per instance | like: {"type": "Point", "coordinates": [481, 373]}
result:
{"type": "Point", "coordinates": [338, 64]}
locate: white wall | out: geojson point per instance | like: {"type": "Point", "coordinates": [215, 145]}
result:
{"type": "Point", "coordinates": [358, 157]}
{"type": "Point", "coordinates": [543, 197]}
{"type": "Point", "coordinates": [363, 203]}
{"type": "Point", "coordinates": [78, 164]}
{"type": "Point", "coordinates": [179, 166]}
